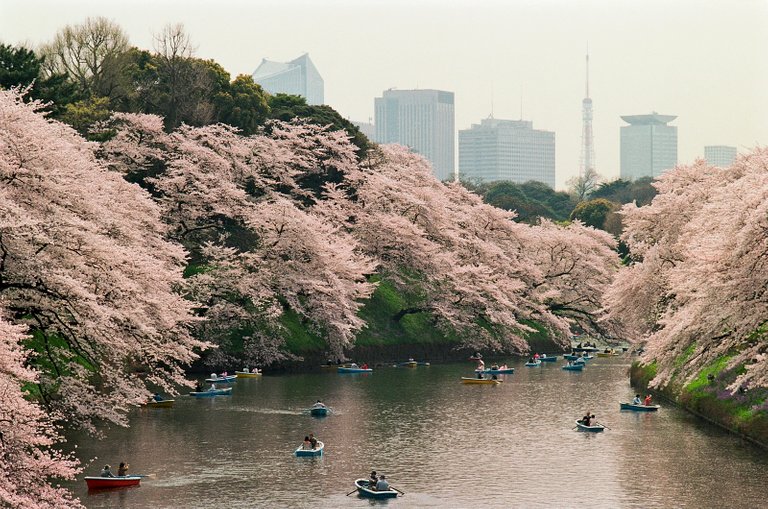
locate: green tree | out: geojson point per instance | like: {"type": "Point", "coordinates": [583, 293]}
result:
{"type": "Point", "coordinates": [243, 104]}
{"type": "Point", "coordinates": [596, 213]}
{"type": "Point", "coordinates": [18, 66]}
{"type": "Point", "coordinates": [83, 114]}
{"type": "Point", "coordinates": [640, 191]}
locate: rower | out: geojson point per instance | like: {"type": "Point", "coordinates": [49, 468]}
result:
{"type": "Point", "coordinates": [382, 484]}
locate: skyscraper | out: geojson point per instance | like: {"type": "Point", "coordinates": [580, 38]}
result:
{"type": "Point", "coordinates": [648, 145]}
{"type": "Point", "coordinates": [587, 161]}
{"type": "Point", "coordinates": [423, 120]}
{"type": "Point", "coordinates": [507, 150]}
{"type": "Point", "coordinates": [720, 155]}
{"type": "Point", "coordinates": [297, 77]}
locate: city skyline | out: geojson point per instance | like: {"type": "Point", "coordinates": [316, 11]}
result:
{"type": "Point", "coordinates": [492, 55]}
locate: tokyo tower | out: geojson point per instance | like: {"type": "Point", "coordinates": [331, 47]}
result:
{"type": "Point", "coordinates": [587, 161]}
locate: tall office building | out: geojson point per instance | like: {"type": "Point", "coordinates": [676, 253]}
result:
{"type": "Point", "coordinates": [507, 150]}
{"type": "Point", "coordinates": [297, 77]}
{"type": "Point", "coordinates": [648, 145]}
{"type": "Point", "coordinates": [423, 120]}
{"type": "Point", "coordinates": [720, 155]}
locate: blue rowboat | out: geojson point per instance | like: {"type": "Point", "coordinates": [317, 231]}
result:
{"type": "Point", "coordinates": [639, 408]}
{"type": "Point", "coordinates": [571, 357]}
{"type": "Point", "coordinates": [212, 392]}
{"type": "Point", "coordinates": [363, 488]}
{"type": "Point", "coordinates": [573, 367]}
{"type": "Point", "coordinates": [229, 379]}
{"type": "Point", "coordinates": [319, 411]}
{"type": "Point", "coordinates": [548, 358]}
{"type": "Point", "coordinates": [354, 370]}
{"type": "Point", "coordinates": [317, 451]}
{"type": "Point", "coordinates": [594, 428]}
{"type": "Point", "coordinates": [507, 371]}
{"type": "Point", "coordinates": [534, 364]}
{"type": "Point", "coordinates": [580, 361]}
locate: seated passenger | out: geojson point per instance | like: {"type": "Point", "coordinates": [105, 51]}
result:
{"type": "Point", "coordinates": [637, 400]}
{"type": "Point", "coordinates": [106, 472]}
{"type": "Point", "coordinates": [372, 480]}
{"type": "Point", "coordinates": [307, 444]}
{"type": "Point", "coordinates": [157, 397]}
{"type": "Point", "coordinates": [122, 470]}
{"type": "Point", "coordinates": [382, 484]}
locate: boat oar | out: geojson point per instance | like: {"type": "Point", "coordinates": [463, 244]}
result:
{"type": "Point", "coordinates": [603, 425]}
{"type": "Point", "coordinates": [348, 494]}
{"type": "Point", "coordinates": [401, 492]}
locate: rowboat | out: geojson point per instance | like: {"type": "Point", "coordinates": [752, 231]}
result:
{"type": "Point", "coordinates": [317, 451]}
{"type": "Point", "coordinates": [584, 349]}
{"type": "Point", "coordinates": [364, 490]}
{"type": "Point", "coordinates": [247, 374]}
{"type": "Point", "coordinates": [593, 428]}
{"type": "Point", "coordinates": [573, 367]}
{"type": "Point", "coordinates": [408, 364]}
{"type": "Point", "coordinates": [639, 408]}
{"type": "Point", "coordinates": [580, 361]}
{"type": "Point", "coordinates": [486, 381]}
{"type": "Point", "coordinates": [354, 370]}
{"type": "Point", "coordinates": [423, 363]}
{"type": "Point", "coordinates": [534, 364]}
{"type": "Point", "coordinates": [548, 358]}
{"type": "Point", "coordinates": [318, 411]}
{"type": "Point", "coordinates": [489, 371]}
{"type": "Point", "coordinates": [165, 403]}
{"type": "Point", "coordinates": [571, 357]}
{"type": "Point", "coordinates": [212, 392]}
{"type": "Point", "coordinates": [98, 483]}
{"type": "Point", "coordinates": [607, 354]}
{"type": "Point", "coordinates": [222, 379]}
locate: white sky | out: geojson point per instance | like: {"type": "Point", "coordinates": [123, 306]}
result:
{"type": "Point", "coordinates": [703, 60]}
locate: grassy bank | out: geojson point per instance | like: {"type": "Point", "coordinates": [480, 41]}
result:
{"type": "Point", "coordinates": [744, 412]}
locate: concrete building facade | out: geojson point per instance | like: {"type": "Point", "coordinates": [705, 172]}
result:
{"type": "Point", "coordinates": [648, 145]}
{"type": "Point", "coordinates": [297, 77]}
{"type": "Point", "coordinates": [511, 150]}
{"type": "Point", "coordinates": [423, 120]}
{"type": "Point", "coordinates": [720, 155]}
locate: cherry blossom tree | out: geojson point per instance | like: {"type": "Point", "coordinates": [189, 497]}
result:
{"type": "Point", "coordinates": [27, 462]}
{"type": "Point", "coordinates": [85, 264]}
{"type": "Point", "coordinates": [696, 288]}
{"type": "Point", "coordinates": [241, 206]}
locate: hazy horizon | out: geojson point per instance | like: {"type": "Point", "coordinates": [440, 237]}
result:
{"type": "Point", "coordinates": [699, 60]}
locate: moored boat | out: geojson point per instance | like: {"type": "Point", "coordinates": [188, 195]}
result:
{"type": "Point", "coordinates": [485, 381]}
{"type": "Point", "coordinates": [363, 488]}
{"type": "Point", "coordinates": [593, 428]}
{"type": "Point", "coordinates": [99, 483]}
{"type": "Point", "coordinates": [164, 403]}
{"type": "Point", "coordinates": [247, 374]}
{"type": "Point", "coordinates": [573, 367]}
{"type": "Point", "coordinates": [317, 451]}
{"type": "Point", "coordinates": [226, 379]}
{"type": "Point", "coordinates": [354, 370]}
{"type": "Point", "coordinates": [212, 392]}
{"type": "Point", "coordinates": [639, 408]}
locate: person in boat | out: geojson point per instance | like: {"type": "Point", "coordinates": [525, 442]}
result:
{"type": "Point", "coordinates": [312, 441]}
{"type": "Point", "coordinates": [531, 360]}
{"type": "Point", "coordinates": [106, 472]}
{"type": "Point", "coordinates": [382, 484]}
{"type": "Point", "coordinates": [480, 364]}
{"type": "Point", "coordinates": [587, 419]}
{"type": "Point", "coordinates": [122, 470]}
{"type": "Point", "coordinates": [494, 366]}
{"type": "Point", "coordinates": [307, 444]}
{"type": "Point", "coordinates": [373, 480]}
{"type": "Point", "coordinates": [318, 404]}
{"type": "Point", "coordinates": [353, 365]}
{"type": "Point", "coordinates": [212, 387]}
{"type": "Point", "coordinates": [536, 356]}
{"type": "Point", "coordinates": [364, 366]}
{"type": "Point", "coordinates": [494, 377]}
{"type": "Point", "coordinates": [480, 375]}
{"type": "Point", "coordinates": [543, 356]}
{"type": "Point", "coordinates": [157, 397]}
{"type": "Point", "coordinates": [503, 366]}
{"type": "Point", "coordinates": [647, 401]}
{"type": "Point", "coordinates": [637, 400]}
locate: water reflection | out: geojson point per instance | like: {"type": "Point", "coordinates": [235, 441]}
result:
{"type": "Point", "coordinates": [443, 443]}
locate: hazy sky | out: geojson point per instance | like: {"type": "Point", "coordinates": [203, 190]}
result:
{"type": "Point", "coordinates": [703, 60]}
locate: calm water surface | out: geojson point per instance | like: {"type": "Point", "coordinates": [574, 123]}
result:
{"type": "Point", "coordinates": [443, 443]}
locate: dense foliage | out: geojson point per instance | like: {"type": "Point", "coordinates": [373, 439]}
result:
{"type": "Point", "coordinates": [530, 200]}
{"type": "Point", "coordinates": [696, 290]}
